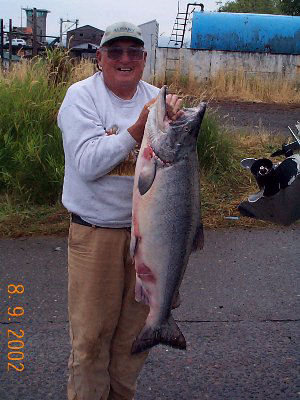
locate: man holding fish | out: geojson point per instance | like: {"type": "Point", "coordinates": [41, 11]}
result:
{"type": "Point", "coordinates": [102, 120]}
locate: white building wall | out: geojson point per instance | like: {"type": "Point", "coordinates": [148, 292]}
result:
{"type": "Point", "coordinates": [150, 34]}
{"type": "Point", "coordinates": [203, 64]}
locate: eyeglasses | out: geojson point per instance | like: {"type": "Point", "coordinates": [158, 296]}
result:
{"type": "Point", "coordinates": [116, 53]}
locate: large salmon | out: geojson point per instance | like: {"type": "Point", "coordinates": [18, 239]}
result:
{"type": "Point", "coordinates": [166, 218]}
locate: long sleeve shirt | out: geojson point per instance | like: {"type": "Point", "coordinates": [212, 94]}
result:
{"type": "Point", "coordinates": [95, 188]}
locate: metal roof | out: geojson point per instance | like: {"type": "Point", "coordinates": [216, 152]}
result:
{"type": "Point", "coordinates": [86, 26]}
{"type": "Point", "coordinates": [84, 46]}
{"type": "Point", "coordinates": [38, 9]}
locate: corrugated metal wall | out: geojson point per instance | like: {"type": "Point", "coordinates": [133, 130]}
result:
{"type": "Point", "coordinates": [246, 32]}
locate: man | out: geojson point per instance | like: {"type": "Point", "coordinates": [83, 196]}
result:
{"type": "Point", "coordinates": [102, 120]}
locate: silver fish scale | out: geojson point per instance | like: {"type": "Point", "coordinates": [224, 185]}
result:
{"type": "Point", "coordinates": [166, 219]}
{"type": "Point", "coordinates": [177, 220]}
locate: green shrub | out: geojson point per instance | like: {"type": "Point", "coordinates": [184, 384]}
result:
{"type": "Point", "coordinates": [215, 148]}
{"type": "Point", "coordinates": [31, 155]}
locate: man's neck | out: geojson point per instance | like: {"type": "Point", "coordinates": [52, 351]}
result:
{"type": "Point", "coordinates": [125, 93]}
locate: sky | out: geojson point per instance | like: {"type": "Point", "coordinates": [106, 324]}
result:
{"type": "Point", "coordinates": [100, 13]}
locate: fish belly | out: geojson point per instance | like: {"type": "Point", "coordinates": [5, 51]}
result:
{"type": "Point", "coordinates": [165, 222]}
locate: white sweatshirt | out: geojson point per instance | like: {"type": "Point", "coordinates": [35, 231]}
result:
{"type": "Point", "coordinates": [98, 183]}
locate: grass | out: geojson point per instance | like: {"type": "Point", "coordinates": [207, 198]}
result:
{"type": "Point", "coordinates": [221, 192]}
{"type": "Point", "coordinates": [32, 161]}
{"type": "Point", "coordinates": [29, 220]}
{"type": "Point", "coordinates": [216, 150]}
{"type": "Point", "coordinates": [31, 153]}
{"type": "Point", "coordinates": [30, 142]}
{"type": "Point", "coordinates": [238, 86]}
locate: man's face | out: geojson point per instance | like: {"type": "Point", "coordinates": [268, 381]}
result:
{"type": "Point", "coordinates": [122, 69]}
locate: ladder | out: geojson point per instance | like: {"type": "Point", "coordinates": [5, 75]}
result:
{"type": "Point", "coordinates": [180, 23]}
{"type": "Point", "coordinates": [177, 36]}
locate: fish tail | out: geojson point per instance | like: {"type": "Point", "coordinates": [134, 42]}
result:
{"type": "Point", "coordinates": [168, 333]}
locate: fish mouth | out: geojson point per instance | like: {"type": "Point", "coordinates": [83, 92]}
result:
{"type": "Point", "coordinates": [166, 137]}
{"type": "Point", "coordinates": [196, 114]}
{"type": "Point", "coordinates": [161, 110]}
{"type": "Point", "coordinates": [162, 118]}
{"type": "Point", "coordinates": [165, 163]}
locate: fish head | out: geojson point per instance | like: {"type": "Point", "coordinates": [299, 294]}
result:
{"type": "Point", "coordinates": [170, 140]}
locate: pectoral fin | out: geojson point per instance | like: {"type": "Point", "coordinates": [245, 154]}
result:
{"type": "Point", "coordinates": [198, 241]}
{"type": "Point", "coordinates": [147, 176]}
{"type": "Point", "coordinates": [133, 246]}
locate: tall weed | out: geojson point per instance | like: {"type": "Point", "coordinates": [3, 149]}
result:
{"type": "Point", "coordinates": [31, 156]}
{"type": "Point", "coordinates": [216, 149]}
{"type": "Point", "coordinates": [236, 85]}
{"type": "Point", "coordinates": [31, 153]}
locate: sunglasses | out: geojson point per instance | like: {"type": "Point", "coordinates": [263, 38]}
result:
{"type": "Point", "coordinates": [116, 53]}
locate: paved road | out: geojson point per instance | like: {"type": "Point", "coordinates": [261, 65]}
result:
{"type": "Point", "coordinates": [240, 316]}
{"type": "Point", "coordinates": [257, 117]}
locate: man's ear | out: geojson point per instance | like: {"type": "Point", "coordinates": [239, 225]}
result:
{"type": "Point", "coordinates": [145, 56]}
{"type": "Point", "coordinates": [99, 58]}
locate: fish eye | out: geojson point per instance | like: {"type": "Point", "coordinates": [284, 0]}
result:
{"type": "Point", "coordinates": [186, 129]}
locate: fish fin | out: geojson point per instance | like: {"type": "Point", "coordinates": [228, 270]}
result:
{"type": "Point", "coordinates": [176, 300]}
{"type": "Point", "coordinates": [198, 241]}
{"type": "Point", "coordinates": [141, 295]}
{"type": "Point", "coordinates": [168, 334]}
{"type": "Point", "coordinates": [147, 176]}
{"type": "Point", "coordinates": [133, 246]}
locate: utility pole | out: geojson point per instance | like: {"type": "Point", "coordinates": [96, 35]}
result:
{"type": "Point", "coordinates": [10, 43]}
{"type": "Point", "coordinates": [34, 32]}
{"type": "Point", "coordinates": [2, 41]}
{"type": "Point", "coordinates": [61, 32]}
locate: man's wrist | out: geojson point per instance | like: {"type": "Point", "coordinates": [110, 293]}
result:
{"type": "Point", "coordinates": [136, 131]}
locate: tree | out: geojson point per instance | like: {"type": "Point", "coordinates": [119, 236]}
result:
{"type": "Point", "coordinates": [252, 6]}
{"type": "Point", "coordinates": [289, 7]}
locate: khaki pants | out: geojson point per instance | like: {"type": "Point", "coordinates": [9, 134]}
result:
{"type": "Point", "coordinates": [104, 316]}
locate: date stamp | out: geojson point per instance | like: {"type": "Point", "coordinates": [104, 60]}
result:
{"type": "Point", "coordinates": [15, 338]}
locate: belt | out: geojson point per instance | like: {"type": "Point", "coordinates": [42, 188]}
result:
{"type": "Point", "coordinates": [77, 220]}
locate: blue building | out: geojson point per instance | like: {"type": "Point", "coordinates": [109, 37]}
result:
{"type": "Point", "coordinates": [264, 33]}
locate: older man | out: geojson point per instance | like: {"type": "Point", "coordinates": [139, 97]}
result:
{"type": "Point", "coordinates": [102, 120]}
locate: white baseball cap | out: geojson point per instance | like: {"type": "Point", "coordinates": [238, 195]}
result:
{"type": "Point", "coordinates": [122, 30]}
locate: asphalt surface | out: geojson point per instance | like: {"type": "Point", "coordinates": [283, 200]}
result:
{"type": "Point", "coordinates": [239, 314]}
{"type": "Point", "coordinates": [257, 117]}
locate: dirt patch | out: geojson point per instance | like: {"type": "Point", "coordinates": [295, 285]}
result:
{"type": "Point", "coordinates": [274, 118]}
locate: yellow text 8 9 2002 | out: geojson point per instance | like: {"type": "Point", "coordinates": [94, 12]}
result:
{"type": "Point", "coordinates": [15, 337]}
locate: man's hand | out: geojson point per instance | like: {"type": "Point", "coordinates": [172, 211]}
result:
{"type": "Point", "coordinates": [174, 105]}
{"type": "Point", "coordinates": [137, 130]}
